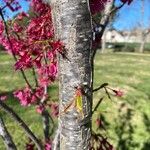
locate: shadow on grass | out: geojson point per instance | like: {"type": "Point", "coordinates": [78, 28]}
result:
{"type": "Point", "coordinates": [124, 128]}
{"type": "Point", "coordinates": [146, 120]}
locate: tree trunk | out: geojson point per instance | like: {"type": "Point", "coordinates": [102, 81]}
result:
{"type": "Point", "coordinates": [106, 15]}
{"type": "Point", "coordinates": [142, 44]}
{"type": "Point", "coordinates": [72, 22]}
{"type": "Point", "coordinates": [104, 41]}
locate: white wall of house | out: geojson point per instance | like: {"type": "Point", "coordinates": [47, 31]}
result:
{"type": "Point", "coordinates": [125, 36]}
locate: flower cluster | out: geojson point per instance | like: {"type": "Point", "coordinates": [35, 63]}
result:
{"type": "Point", "coordinates": [48, 145]}
{"type": "Point", "coordinates": [3, 97]}
{"type": "Point", "coordinates": [118, 93]}
{"type": "Point", "coordinates": [27, 97]}
{"type": "Point", "coordinates": [40, 109]}
{"type": "Point", "coordinates": [31, 146]}
{"type": "Point", "coordinates": [54, 109]}
{"type": "Point", "coordinates": [97, 5]}
{"type": "Point", "coordinates": [33, 46]}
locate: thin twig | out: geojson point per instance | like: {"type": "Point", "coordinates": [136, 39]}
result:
{"type": "Point", "coordinates": [97, 105]}
{"type": "Point", "coordinates": [52, 130]}
{"type": "Point", "coordinates": [45, 118]}
{"type": "Point", "coordinates": [104, 25]}
{"type": "Point", "coordinates": [56, 141]}
{"type": "Point", "coordinates": [11, 45]}
{"type": "Point", "coordinates": [100, 87]}
{"type": "Point", "coordinates": [107, 93]}
{"type": "Point", "coordinates": [35, 77]}
{"type": "Point", "coordinates": [7, 3]}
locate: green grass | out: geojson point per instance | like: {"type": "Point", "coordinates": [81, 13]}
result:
{"type": "Point", "coordinates": [10, 80]}
{"type": "Point", "coordinates": [126, 119]}
{"type": "Point", "coordinates": [127, 116]}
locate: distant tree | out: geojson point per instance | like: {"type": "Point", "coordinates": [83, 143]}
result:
{"type": "Point", "coordinates": [144, 32]}
{"type": "Point", "coordinates": [103, 20]}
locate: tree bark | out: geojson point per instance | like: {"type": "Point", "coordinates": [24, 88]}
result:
{"type": "Point", "coordinates": [105, 20]}
{"type": "Point", "coordinates": [6, 136]}
{"type": "Point", "coordinates": [142, 44]}
{"type": "Point", "coordinates": [104, 41]}
{"type": "Point", "coordinates": [72, 22]}
{"type": "Point", "coordinates": [106, 15]}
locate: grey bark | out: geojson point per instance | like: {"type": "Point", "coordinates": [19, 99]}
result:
{"type": "Point", "coordinates": [72, 22]}
{"type": "Point", "coordinates": [144, 36]}
{"type": "Point", "coordinates": [7, 139]}
{"type": "Point", "coordinates": [106, 17]}
{"type": "Point", "coordinates": [104, 41]}
{"type": "Point", "coordinates": [142, 44]}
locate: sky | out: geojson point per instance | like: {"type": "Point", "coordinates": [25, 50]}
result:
{"type": "Point", "coordinates": [129, 16]}
{"type": "Point", "coordinates": [9, 13]}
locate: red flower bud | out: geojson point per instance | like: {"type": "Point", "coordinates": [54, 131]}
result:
{"type": "Point", "coordinates": [118, 93]}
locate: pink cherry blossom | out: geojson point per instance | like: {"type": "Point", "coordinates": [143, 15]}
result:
{"type": "Point", "coordinates": [33, 46]}
{"type": "Point", "coordinates": [40, 109]}
{"type": "Point", "coordinates": [1, 27]}
{"type": "Point", "coordinates": [24, 62]}
{"type": "Point", "coordinates": [3, 97]}
{"type": "Point", "coordinates": [22, 15]}
{"type": "Point", "coordinates": [54, 109]}
{"type": "Point", "coordinates": [118, 93]}
{"type": "Point", "coordinates": [48, 145]}
{"type": "Point", "coordinates": [97, 5]}
{"type": "Point", "coordinates": [53, 69]}
{"type": "Point", "coordinates": [30, 145]}
{"type": "Point", "coordinates": [17, 27]}
{"type": "Point", "coordinates": [25, 96]}
{"type": "Point", "coordinates": [98, 122]}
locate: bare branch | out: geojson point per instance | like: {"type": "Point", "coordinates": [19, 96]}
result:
{"type": "Point", "coordinates": [103, 24]}
{"type": "Point", "coordinates": [30, 134]}
{"type": "Point", "coordinates": [97, 105]}
{"type": "Point", "coordinates": [7, 3]}
{"type": "Point", "coordinates": [6, 136]}
{"type": "Point", "coordinates": [45, 118]}
{"type": "Point", "coordinates": [15, 58]}
{"type": "Point", "coordinates": [56, 141]}
{"type": "Point", "coordinates": [100, 87]}
{"type": "Point", "coordinates": [107, 93]}
{"type": "Point", "coordinates": [35, 77]}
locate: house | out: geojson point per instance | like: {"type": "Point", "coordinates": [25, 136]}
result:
{"type": "Point", "coordinates": [133, 36]}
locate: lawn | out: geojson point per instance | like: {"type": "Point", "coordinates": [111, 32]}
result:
{"type": "Point", "coordinates": [126, 119]}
